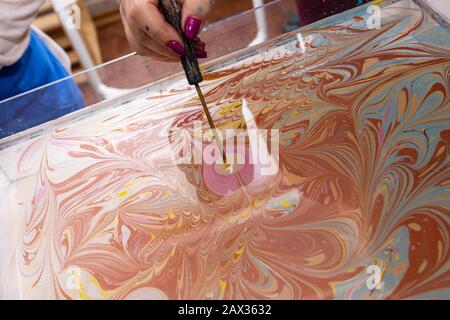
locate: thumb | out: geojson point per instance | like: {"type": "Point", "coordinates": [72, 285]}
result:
{"type": "Point", "coordinates": [194, 13]}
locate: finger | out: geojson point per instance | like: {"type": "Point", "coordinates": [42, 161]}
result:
{"type": "Point", "coordinates": [142, 50]}
{"type": "Point", "coordinates": [194, 13]}
{"type": "Point", "coordinates": [199, 48]}
{"type": "Point", "coordinates": [198, 44]}
{"type": "Point", "coordinates": [151, 52]}
{"type": "Point", "coordinates": [151, 21]}
{"type": "Point", "coordinates": [201, 54]}
{"type": "Point", "coordinates": [151, 44]}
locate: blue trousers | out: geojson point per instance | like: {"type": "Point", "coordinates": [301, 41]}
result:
{"type": "Point", "coordinates": [37, 67]}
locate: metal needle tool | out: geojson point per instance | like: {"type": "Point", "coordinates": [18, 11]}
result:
{"type": "Point", "coordinates": [172, 13]}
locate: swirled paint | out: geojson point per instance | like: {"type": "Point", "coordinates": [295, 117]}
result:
{"type": "Point", "coordinates": [96, 208]}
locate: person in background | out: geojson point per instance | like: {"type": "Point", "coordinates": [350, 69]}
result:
{"type": "Point", "coordinates": [29, 59]}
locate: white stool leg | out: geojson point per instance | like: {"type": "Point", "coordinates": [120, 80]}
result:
{"type": "Point", "coordinates": [64, 8]}
{"type": "Point", "coordinates": [261, 23]}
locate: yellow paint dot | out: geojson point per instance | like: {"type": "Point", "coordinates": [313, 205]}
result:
{"type": "Point", "coordinates": [223, 286]}
{"type": "Point", "coordinates": [172, 215]}
{"type": "Point", "coordinates": [238, 253]}
{"type": "Point", "coordinates": [123, 194]}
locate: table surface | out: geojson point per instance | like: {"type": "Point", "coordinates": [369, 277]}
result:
{"type": "Point", "coordinates": [97, 207]}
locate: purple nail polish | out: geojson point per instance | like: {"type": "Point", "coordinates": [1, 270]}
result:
{"type": "Point", "coordinates": [176, 47]}
{"type": "Point", "coordinates": [192, 27]}
{"type": "Point", "coordinates": [201, 54]}
{"type": "Point", "coordinates": [199, 46]}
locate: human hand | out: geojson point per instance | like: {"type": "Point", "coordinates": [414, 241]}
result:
{"type": "Point", "coordinates": [150, 35]}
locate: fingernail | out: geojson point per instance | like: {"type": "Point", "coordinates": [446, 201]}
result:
{"type": "Point", "coordinates": [192, 27]}
{"type": "Point", "coordinates": [200, 46]}
{"type": "Point", "coordinates": [176, 47]}
{"type": "Point", "coordinates": [201, 54]}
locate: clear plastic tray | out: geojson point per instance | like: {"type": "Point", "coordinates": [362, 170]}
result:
{"type": "Point", "coordinates": [95, 207]}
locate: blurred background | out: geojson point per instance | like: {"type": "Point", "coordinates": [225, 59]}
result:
{"type": "Point", "coordinates": [102, 29]}
{"type": "Point", "coordinates": [103, 36]}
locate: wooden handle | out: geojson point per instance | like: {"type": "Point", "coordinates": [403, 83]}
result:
{"type": "Point", "coordinates": [172, 13]}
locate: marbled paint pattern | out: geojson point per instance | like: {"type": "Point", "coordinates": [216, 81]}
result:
{"type": "Point", "coordinates": [96, 209]}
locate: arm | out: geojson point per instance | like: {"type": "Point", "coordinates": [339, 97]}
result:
{"type": "Point", "coordinates": [16, 17]}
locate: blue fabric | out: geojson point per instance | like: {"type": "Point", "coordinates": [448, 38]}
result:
{"type": "Point", "coordinates": [37, 67]}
